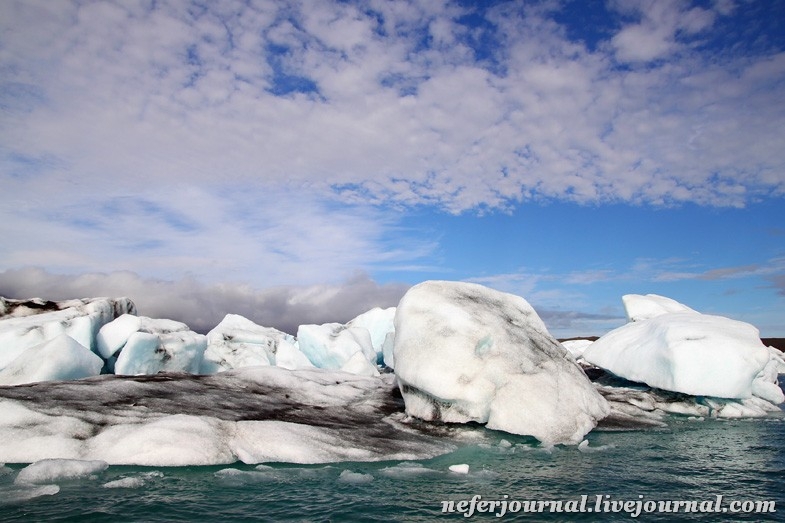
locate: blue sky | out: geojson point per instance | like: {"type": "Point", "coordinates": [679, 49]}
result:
{"type": "Point", "coordinates": [305, 161]}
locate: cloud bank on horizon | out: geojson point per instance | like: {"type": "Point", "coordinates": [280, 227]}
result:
{"type": "Point", "coordinates": [272, 144]}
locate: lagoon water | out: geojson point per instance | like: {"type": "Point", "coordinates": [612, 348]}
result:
{"type": "Point", "coordinates": [689, 460]}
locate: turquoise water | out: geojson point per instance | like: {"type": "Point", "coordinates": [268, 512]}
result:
{"type": "Point", "coordinates": [689, 460]}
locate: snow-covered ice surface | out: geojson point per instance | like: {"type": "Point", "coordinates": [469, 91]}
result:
{"type": "Point", "coordinates": [258, 414]}
{"type": "Point", "coordinates": [688, 352]}
{"type": "Point", "coordinates": [639, 307]}
{"type": "Point", "coordinates": [29, 323]}
{"type": "Point", "coordinates": [464, 352]}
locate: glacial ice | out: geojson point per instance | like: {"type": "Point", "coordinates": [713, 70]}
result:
{"type": "Point", "coordinates": [238, 342]}
{"type": "Point", "coordinates": [28, 323]}
{"type": "Point", "coordinates": [61, 358]}
{"type": "Point", "coordinates": [640, 307]}
{"type": "Point", "coordinates": [461, 352]}
{"type": "Point", "coordinates": [688, 352]}
{"type": "Point", "coordinates": [464, 352]}
{"type": "Point", "coordinates": [576, 347]}
{"type": "Point", "coordinates": [255, 414]}
{"type": "Point", "coordinates": [156, 345]}
{"type": "Point", "coordinates": [332, 345]}
{"type": "Point", "coordinates": [380, 325]}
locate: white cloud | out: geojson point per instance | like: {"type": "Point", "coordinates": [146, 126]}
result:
{"type": "Point", "coordinates": [132, 96]}
{"type": "Point", "coordinates": [242, 234]}
{"type": "Point", "coordinates": [224, 139]}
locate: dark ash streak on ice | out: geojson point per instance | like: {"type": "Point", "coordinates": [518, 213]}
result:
{"type": "Point", "coordinates": [364, 413]}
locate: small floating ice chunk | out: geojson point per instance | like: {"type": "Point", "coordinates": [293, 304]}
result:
{"type": "Point", "coordinates": [52, 470]}
{"type": "Point", "coordinates": [133, 482]}
{"type": "Point", "coordinates": [505, 444]}
{"type": "Point", "coordinates": [347, 476]}
{"type": "Point", "coordinates": [584, 447]}
{"type": "Point", "coordinates": [462, 468]}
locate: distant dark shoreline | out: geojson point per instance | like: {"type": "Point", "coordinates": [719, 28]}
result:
{"type": "Point", "coordinates": [777, 343]}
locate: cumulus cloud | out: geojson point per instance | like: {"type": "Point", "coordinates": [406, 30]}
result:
{"type": "Point", "coordinates": [203, 306]}
{"type": "Point", "coordinates": [661, 29]}
{"type": "Point", "coordinates": [387, 101]}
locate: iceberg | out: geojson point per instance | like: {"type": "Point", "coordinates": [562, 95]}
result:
{"type": "Point", "coordinates": [677, 349]}
{"type": "Point", "coordinates": [61, 358]}
{"type": "Point", "coordinates": [332, 345]}
{"type": "Point", "coordinates": [29, 323]}
{"type": "Point", "coordinates": [380, 325]}
{"type": "Point", "coordinates": [148, 346]}
{"type": "Point", "coordinates": [464, 352]}
{"type": "Point", "coordinates": [254, 415]}
{"type": "Point", "coordinates": [238, 342]}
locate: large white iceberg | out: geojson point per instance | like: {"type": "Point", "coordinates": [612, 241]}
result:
{"type": "Point", "coordinates": [147, 346]}
{"type": "Point", "coordinates": [464, 352]}
{"type": "Point", "coordinates": [678, 349]}
{"type": "Point", "coordinates": [29, 323]}
{"type": "Point", "coordinates": [238, 342]}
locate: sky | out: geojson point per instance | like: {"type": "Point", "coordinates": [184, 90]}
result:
{"type": "Point", "coordinates": [304, 161]}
